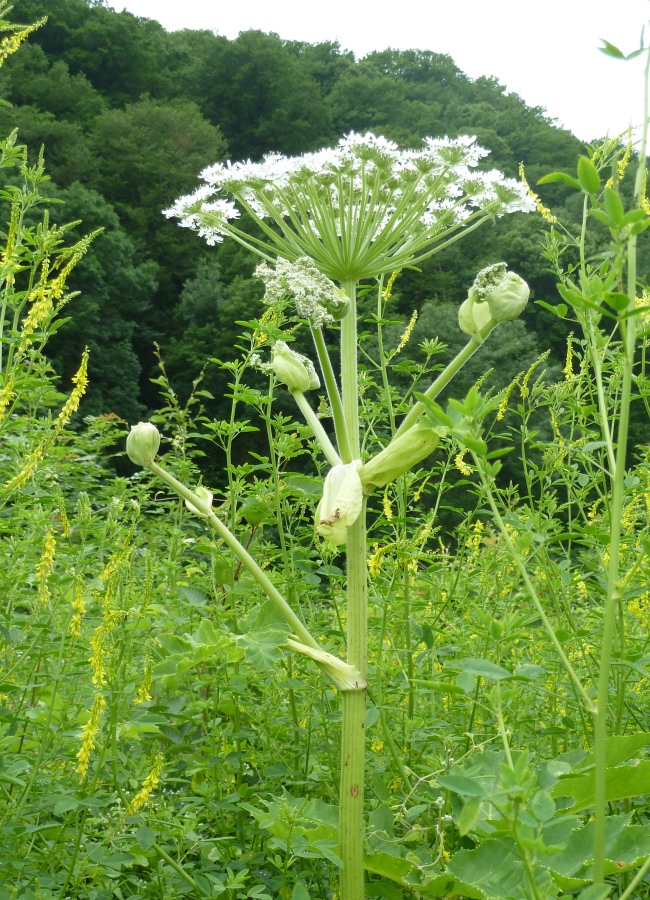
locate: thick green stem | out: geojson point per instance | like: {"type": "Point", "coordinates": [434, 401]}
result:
{"type": "Point", "coordinates": [247, 560]}
{"type": "Point", "coordinates": [319, 432]}
{"type": "Point", "coordinates": [349, 373]}
{"type": "Point", "coordinates": [445, 376]}
{"type": "Point", "coordinates": [332, 395]}
{"type": "Point", "coordinates": [353, 702]}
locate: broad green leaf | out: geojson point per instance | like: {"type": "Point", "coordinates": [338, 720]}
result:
{"type": "Point", "coordinates": [626, 847]}
{"type": "Point", "coordinates": [300, 892]}
{"type": "Point", "coordinates": [622, 782]}
{"type": "Point", "coordinates": [394, 868]}
{"type": "Point", "coordinates": [145, 837]}
{"type": "Point", "coordinates": [588, 176]}
{"type": "Point", "coordinates": [263, 646]}
{"type": "Point", "coordinates": [491, 872]}
{"type": "Point", "coordinates": [620, 748]}
{"type": "Point", "coordinates": [461, 784]}
{"type": "Point", "coordinates": [595, 892]}
{"type": "Point", "coordinates": [617, 300]}
{"type": "Point", "coordinates": [66, 804]}
{"type": "Point", "coordinates": [482, 668]}
{"type": "Point", "coordinates": [303, 485]}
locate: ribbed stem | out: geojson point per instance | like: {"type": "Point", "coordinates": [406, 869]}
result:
{"type": "Point", "coordinates": [353, 702]}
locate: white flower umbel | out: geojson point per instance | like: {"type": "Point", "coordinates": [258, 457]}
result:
{"type": "Point", "coordinates": [341, 504]}
{"type": "Point", "coordinates": [314, 295]}
{"type": "Point", "coordinates": [360, 209]}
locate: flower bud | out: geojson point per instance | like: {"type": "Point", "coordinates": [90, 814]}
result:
{"type": "Point", "coordinates": [294, 369]}
{"type": "Point", "coordinates": [473, 316]}
{"type": "Point", "coordinates": [204, 495]}
{"type": "Point", "coordinates": [341, 503]}
{"type": "Point", "coordinates": [142, 443]}
{"type": "Point", "coordinates": [337, 305]}
{"type": "Point", "coordinates": [509, 298]}
{"type": "Point", "coordinates": [402, 454]}
{"type": "Point", "coordinates": [505, 292]}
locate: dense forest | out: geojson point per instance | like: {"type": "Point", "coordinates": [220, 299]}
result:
{"type": "Point", "coordinates": [129, 114]}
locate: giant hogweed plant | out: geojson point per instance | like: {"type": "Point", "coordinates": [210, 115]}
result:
{"type": "Point", "coordinates": [324, 222]}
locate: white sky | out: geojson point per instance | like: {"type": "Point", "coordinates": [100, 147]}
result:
{"type": "Point", "coordinates": [544, 51]}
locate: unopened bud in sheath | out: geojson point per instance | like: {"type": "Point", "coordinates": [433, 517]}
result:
{"type": "Point", "coordinates": [142, 443]}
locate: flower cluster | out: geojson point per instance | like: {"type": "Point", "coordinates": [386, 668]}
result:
{"type": "Point", "coordinates": [359, 209]}
{"type": "Point", "coordinates": [314, 296]}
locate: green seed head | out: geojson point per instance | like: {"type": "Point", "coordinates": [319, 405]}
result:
{"type": "Point", "coordinates": [142, 443]}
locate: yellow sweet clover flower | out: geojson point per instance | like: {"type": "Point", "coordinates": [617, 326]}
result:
{"type": "Point", "coordinates": [503, 405]}
{"type": "Point", "coordinates": [386, 505]}
{"type": "Point", "coordinates": [544, 211]}
{"type": "Point", "coordinates": [144, 695]}
{"type": "Point", "coordinates": [88, 734]}
{"type": "Point", "coordinates": [474, 540]}
{"type": "Point", "coordinates": [568, 365]}
{"type": "Point", "coordinates": [78, 608]}
{"type": "Point", "coordinates": [7, 394]}
{"type": "Point", "coordinates": [44, 567]}
{"type": "Point", "coordinates": [461, 465]}
{"type": "Point", "coordinates": [80, 381]}
{"type": "Point", "coordinates": [406, 336]}
{"type": "Point", "coordinates": [524, 384]}
{"type": "Point", "coordinates": [148, 786]}
{"type": "Point", "coordinates": [387, 293]}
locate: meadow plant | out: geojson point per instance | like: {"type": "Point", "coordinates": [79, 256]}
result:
{"type": "Point", "coordinates": [360, 210]}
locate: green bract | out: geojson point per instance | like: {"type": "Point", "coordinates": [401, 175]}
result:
{"type": "Point", "coordinates": [293, 369]}
{"type": "Point", "coordinates": [142, 443]}
{"type": "Point", "coordinates": [205, 496]}
{"type": "Point", "coordinates": [341, 503]}
{"type": "Point", "coordinates": [360, 209]}
{"type": "Point", "coordinates": [402, 454]}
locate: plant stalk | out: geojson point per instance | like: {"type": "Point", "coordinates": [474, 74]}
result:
{"type": "Point", "coordinates": [353, 703]}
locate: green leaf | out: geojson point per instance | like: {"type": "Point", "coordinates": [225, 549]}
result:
{"type": "Point", "coordinates": [595, 892]}
{"type": "Point", "coordinates": [610, 50]}
{"type": "Point", "coordinates": [476, 445]}
{"type": "Point", "coordinates": [588, 176]}
{"type": "Point", "coordinates": [622, 782]}
{"type": "Point", "coordinates": [263, 646]}
{"type": "Point", "coordinates": [619, 749]}
{"type": "Point", "coordinates": [300, 892]}
{"type": "Point", "coordinates": [461, 784]}
{"type": "Point", "coordinates": [469, 815]}
{"type": "Point", "coordinates": [482, 668]}
{"type": "Point", "coordinates": [491, 872]}
{"type": "Point", "coordinates": [614, 206]}
{"type": "Point", "coordinates": [543, 806]}
{"type": "Point", "coordinates": [145, 837]}
{"type": "Point", "coordinates": [66, 804]}
{"type": "Point", "coordinates": [562, 177]}
{"type": "Point", "coordinates": [626, 847]}
{"type": "Point", "coordinates": [617, 300]}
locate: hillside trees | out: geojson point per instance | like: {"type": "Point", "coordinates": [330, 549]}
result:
{"type": "Point", "coordinates": [133, 113]}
